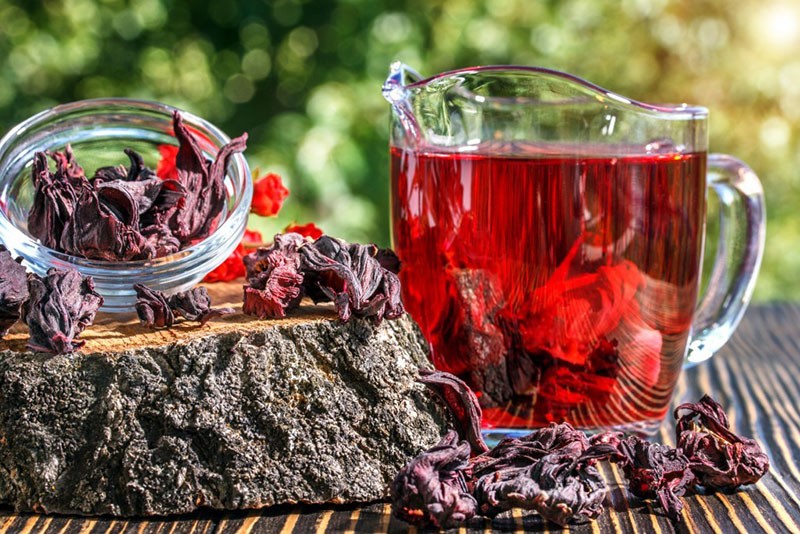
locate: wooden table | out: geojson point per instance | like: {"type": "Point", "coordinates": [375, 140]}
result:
{"type": "Point", "coordinates": [756, 377]}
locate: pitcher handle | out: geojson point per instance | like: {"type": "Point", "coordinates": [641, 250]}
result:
{"type": "Point", "coordinates": [742, 227]}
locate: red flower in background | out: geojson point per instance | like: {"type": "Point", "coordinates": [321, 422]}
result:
{"type": "Point", "coordinates": [306, 230]}
{"type": "Point", "coordinates": [166, 169]}
{"type": "Point", "coordinates": [233, 267]}
{"type": "Point", "coordinates": [268, 195]}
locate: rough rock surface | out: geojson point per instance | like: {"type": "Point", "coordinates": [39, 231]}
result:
{"type": "Point", "coordinates": [306, 411]}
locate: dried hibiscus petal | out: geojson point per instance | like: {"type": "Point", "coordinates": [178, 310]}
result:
{"type": "Point", "coordinates": [157, 310]}
{"type": "Point", "coordinates": [718, 457]}
{"type": "Point", "coordinates": [195, 305]}
{"type": "Point", "coordinates": [462, 403]}
{"type": "Point", "coordinates": [153, 308]}
{"type": "Point", "coordinates": [13, 290]}
{"type": "Point", "coordinates": [203, 181]}
{"type": "Point", "coordinates": [656, 471]}
{"type": "Point", "coordinates": [431, 490]}
{"type": "Point", "coordinates": [61, 305]}
{"type": "Point", "coordinates": [55, 196]}
{"type": "Point", "coordinates": [524, 451]}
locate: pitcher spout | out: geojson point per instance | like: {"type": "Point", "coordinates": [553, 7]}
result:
{"type": "Point", "coordinates": [397, 93]}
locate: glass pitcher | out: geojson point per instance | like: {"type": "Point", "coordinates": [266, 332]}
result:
{"type": "Point", "coordinates": [551, 235]}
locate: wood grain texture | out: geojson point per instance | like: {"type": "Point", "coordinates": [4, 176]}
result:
{"type": "Point", "coordinates": [756, 377]}
{"type": "Point", "coordinates": [120, 332]}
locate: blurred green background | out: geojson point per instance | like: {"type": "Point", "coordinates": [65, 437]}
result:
{"type": "Point", "coordinates": [304, 77]}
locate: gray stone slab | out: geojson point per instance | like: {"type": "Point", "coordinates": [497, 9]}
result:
{"type": "Point", "coordinates": [312, 411]}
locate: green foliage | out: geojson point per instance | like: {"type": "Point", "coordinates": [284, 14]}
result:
{"type": "Point", "coordinates": [303, 78]}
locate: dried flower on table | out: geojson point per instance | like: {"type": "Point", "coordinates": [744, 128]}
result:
{"type": "Point", "coordinates": [431, 490]}
{"type": "Point", "coordinates": [719, 458]}
{"type": "Point", "coordinates": [157, 310]}
{"type": "Point", "coordinates": [559, 486]}
{"type": "Point", "coordinates": [268, 195]}
{"type": "Point", "coordinates": [462, 403]}
{"type": "Point", "coordinates": [656, 471]}
{"type": "Point", "coordinates": [524, 451]}
{"type": "Point", "coordinates": [61, 305]}
{"type": "Point", "coordinates": [13, 290]}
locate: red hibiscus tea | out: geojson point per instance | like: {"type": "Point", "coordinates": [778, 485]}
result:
{"type": "Point", "coordinates": [560, 288]}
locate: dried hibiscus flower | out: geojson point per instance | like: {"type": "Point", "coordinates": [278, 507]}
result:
{"type": "Point", "coordinates": [275, 278]}
{"type": "Point", "coordinates": [61, 305]}
{"type": "Point", "coordinates": [431, 490]}
{"type": "Point", "coordinates": [156, 310]}
{"type": "Point", "coordinates": [462, 403]}
{"type": "Point", "coordinates": [13, 290]}
{"type": "Point", "coordinates": [559, 486]}
{"type": "Point", "coordinates": [656, 471]}
{"type": "Point", "coordinates": [352, 278]}
{"type": "Point", "coordinates": [719, 458]}
{"type": "Point", "coordinates": [326, 270]}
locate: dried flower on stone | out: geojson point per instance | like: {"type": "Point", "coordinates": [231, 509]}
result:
{"type": "Point", "coordinates": [61, 305]}
{"type": "Point", "coordinates": [157, 310]}
{"type": "Point", "coordinates": [326, 270]}
{"type": "Point", "coordinates": [153, 308]}
{"type": "Point", "coordinates": [274, 278]}
{"type": "Point", "coordinates": [195, 305]}
{"type": "Point", "coordinates": [268, 195]}
{"type": "Point", "coordinates": [431, 489]}
{"type": "Point", "coordinates": [656, 471]}
{"type": "Point", "coordinates": [462, 403]}
{"type": "Point", "coordinates": [13, 290]}
{"type": "Point", "coordinates": [351, 277]}
{"type": "Point", "coordinates": [305, 230]}
{"type": "Point", "coordinates": [718, 457]}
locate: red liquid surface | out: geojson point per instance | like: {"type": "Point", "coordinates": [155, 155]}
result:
{"type": "Point", "coordinates": [559, 288]}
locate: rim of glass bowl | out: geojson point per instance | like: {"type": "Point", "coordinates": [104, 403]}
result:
{"type": "Point", "coordinates": [135, 267]}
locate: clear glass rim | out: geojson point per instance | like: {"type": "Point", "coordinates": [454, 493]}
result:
{"type": "Point", "coordinates": [238, 162]}
{"type": "Point", "coordinates": [665, 111]}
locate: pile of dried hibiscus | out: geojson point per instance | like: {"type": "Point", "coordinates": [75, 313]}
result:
{"type": "Point", "coordinates": [130, 213]}
{"type": "Point", "coordinates": [553, 471]}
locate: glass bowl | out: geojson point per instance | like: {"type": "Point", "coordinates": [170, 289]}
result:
{"type": "Point", "coordinates": [98, 131]}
